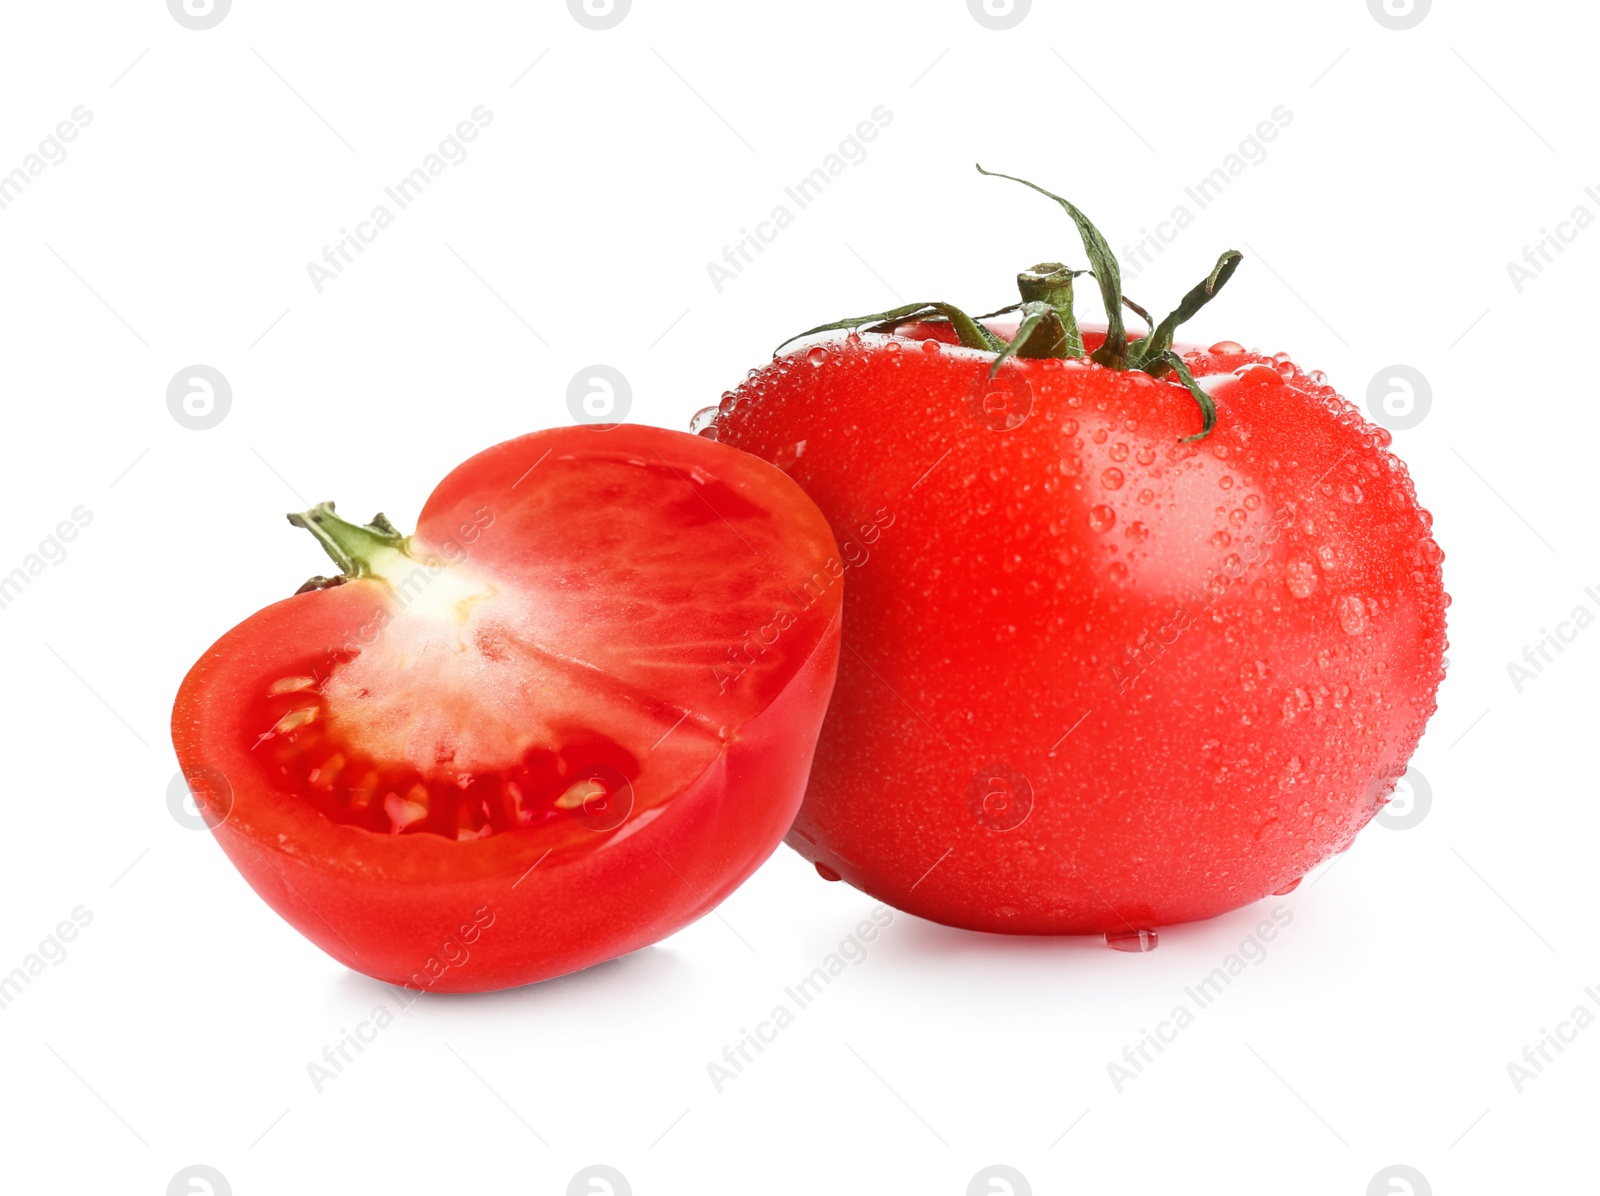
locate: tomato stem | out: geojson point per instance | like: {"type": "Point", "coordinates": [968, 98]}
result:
{"type": "Point", "coordinates": [359, 550]}
{"type": "Point", "coordinates": [1049, 326]}
{"type": "Point", "coordinates": [1051, 283]}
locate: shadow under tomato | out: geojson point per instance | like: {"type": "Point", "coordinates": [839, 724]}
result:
{"type": "Point", "coordinates": [614, 985]}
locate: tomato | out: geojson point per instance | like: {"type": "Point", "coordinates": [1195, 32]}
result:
{"type": "Point", "coordinates": [564, 719]}
{"type": "Point", "coordinates": [1108, 667]}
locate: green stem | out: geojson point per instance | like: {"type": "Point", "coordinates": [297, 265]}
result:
{"type": "Point", "coordinates": [1049, 325]}
{"type": "Point", "coordinates": [1050, 283]}
{"type": "Point", "coordinates": [359, 550]}
{"type": "Point", "coordinates": [1114, 351]}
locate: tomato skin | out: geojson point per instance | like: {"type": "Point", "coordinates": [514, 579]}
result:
{"type": "Point", "coordinates": [1095, 679]}
{"type": "Point", "coordinates": [712, 799]}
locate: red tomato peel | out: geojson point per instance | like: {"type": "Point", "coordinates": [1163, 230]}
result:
{"type": "Point", "coordinates": [1121, 663]}
{"type": "Point", "coordinates": [558, 723]}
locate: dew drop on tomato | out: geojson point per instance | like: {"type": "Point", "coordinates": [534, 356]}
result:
{"type": "Point", "coordinates": [1135, 941]}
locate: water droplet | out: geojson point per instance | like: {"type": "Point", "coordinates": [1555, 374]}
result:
{"type": "Point", "coordinates": [1138, 532]}
{"type": "Point", "coordinates": [930, 346]}
{"type": "Point", "coordinates": [892, 347]}
{"type": "Point", "coordinates": [1101, 517]}
{"type": "Point", "coordinates": [1118, 452]}
{"type": "Point", "coordinates": [1225, 482]}
{"type": "Point", "coordinates": [1111, 478]}
{"type": "Point", "coordinates": [1350, 492]}
{"type": "Point", "coordinates": [1288, 888]}
{"type": "Point", "coordinates": [1146, 455]}
{"type": "Point", "coordinates": [1431, 552]}
{"type": "Point", "coordinates": [817, 356]}
{"type": "Point", "coordinates": [1301, 576]}
{"type": "Point", "coordinates": [1226, 347]}
{"type": "Point", "coordinates": [1238, 517]}
{"type": "Point", "coordinates": [1221, 539]}
{"type": "Point", "coordinates": [1352, 614]}
{"type": "Point", "coordinates": [1117, 571]}
{"type": "Point", "coordinates": [1137, 941]}
{"type": "Point", "coordinates": [1267, 829]}
{"type": "Point", "coordinates": [705, 420]}
{"type": "Point", "coordinates": [1147, 496]}
{"type": "Point", "coordinates": [826, 872]}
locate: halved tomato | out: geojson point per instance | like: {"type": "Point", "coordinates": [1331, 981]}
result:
{"type": "Point", "coordinates": [567, 717]}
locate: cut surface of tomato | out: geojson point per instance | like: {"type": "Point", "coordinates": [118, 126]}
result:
{"type": "Point", "coordinates": [572, 712]}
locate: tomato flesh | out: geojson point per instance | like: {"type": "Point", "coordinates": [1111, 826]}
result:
{"type": "Point", "coordinates": [547, 720]}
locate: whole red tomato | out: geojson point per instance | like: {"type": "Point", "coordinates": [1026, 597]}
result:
{"type": "Point", "coordinates": [1108, 666]}
{"type": "Point", "coordinates": [565, 718]}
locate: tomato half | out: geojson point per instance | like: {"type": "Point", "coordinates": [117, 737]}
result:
{"type": "Point", "coordinates": [564, 719]}
{"type": "Point", "coordinates": [1100, 675]}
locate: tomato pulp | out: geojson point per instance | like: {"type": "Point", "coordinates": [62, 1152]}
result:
{"type": "Point", "coordinates": [567, 717]}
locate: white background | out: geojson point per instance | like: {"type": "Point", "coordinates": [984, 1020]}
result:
{"type": "Point", "coordinates": [177, 231]}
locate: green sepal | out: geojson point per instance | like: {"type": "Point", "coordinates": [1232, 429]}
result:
{"type": "Point", "coordinates": [969, 332]}
{"type": "Point", "coordinates": [1150, 349]}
